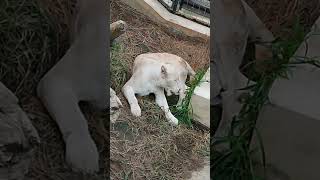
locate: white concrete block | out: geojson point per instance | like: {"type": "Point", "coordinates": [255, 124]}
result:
{"type": "Point", "coordinates": [291, 144]}
{"type": "Point", "coordinates": [301, 93]}
{"type": "Point", "coordinates": [200, 101]}
{"type": "Point", "coordinates": [290, 127]}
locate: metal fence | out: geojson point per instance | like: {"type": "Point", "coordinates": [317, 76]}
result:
{"type": "Point", "coordinates": [197, 10]}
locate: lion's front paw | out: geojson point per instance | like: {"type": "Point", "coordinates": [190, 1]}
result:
{"type": "Point", "coordinates": [173, 120]}
{"type": "Point", "coordinates": [135, 110]}
{"type": "Point", "coordinates": [82, 154]}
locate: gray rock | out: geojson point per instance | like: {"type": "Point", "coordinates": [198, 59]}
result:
{"type": "Point", "coordinates": [18, 137]}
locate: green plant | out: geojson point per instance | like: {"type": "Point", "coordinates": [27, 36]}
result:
{"type": "Point", "coordinates": [119, 68]}
{"type": "Point", "coordinates": [184, 112]}
{"type": "Point", "coordinates": [236, 162]}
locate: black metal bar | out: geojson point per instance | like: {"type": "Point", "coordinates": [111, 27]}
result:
{"type": "Point", "coordinates": [196, 5]}
{"type": "Point", "coordinates": [194, 20]}
{"type": "Point", "coordinates": [175, 4]}
{"type": "Point", "coordinates": [165, 5]}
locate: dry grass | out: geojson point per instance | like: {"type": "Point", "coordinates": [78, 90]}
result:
{"type": "Point", "coordinates": [148, 147]}
{"type": "Point", "coordinates": [279, 16]}
{"type": "Point", "coordinates": [33, 37]}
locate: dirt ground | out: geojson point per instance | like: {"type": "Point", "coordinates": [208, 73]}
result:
{"type": "Point", "coordinates": [148, 147]}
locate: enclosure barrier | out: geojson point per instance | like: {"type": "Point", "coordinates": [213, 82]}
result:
{"type": "Point", "coordinates": [196, 10]}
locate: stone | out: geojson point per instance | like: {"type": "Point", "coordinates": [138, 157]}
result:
{"type": "Point", "coordinates": [117, 28]}
{"type": "Point", "coordinates": [18, 137]}
{"type": "Point", "coordinates": [115, 106]}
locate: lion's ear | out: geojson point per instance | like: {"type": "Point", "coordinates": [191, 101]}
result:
{"type": "Point", "coordinates": [164, 71]}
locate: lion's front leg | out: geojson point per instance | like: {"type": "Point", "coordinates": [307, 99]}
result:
{"type": "Point", "coordinates": [62, 104]}
{"type": "Point", "coordinates": [129, 93]}
{"type": "Point", "coordinates": [162, 102]}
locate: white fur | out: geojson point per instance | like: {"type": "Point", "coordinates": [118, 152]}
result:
{"type": "Point", "coordinates": [156, 73]}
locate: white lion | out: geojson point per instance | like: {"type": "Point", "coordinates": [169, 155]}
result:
{"type": "Point", "coordinates": [156, 73]}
